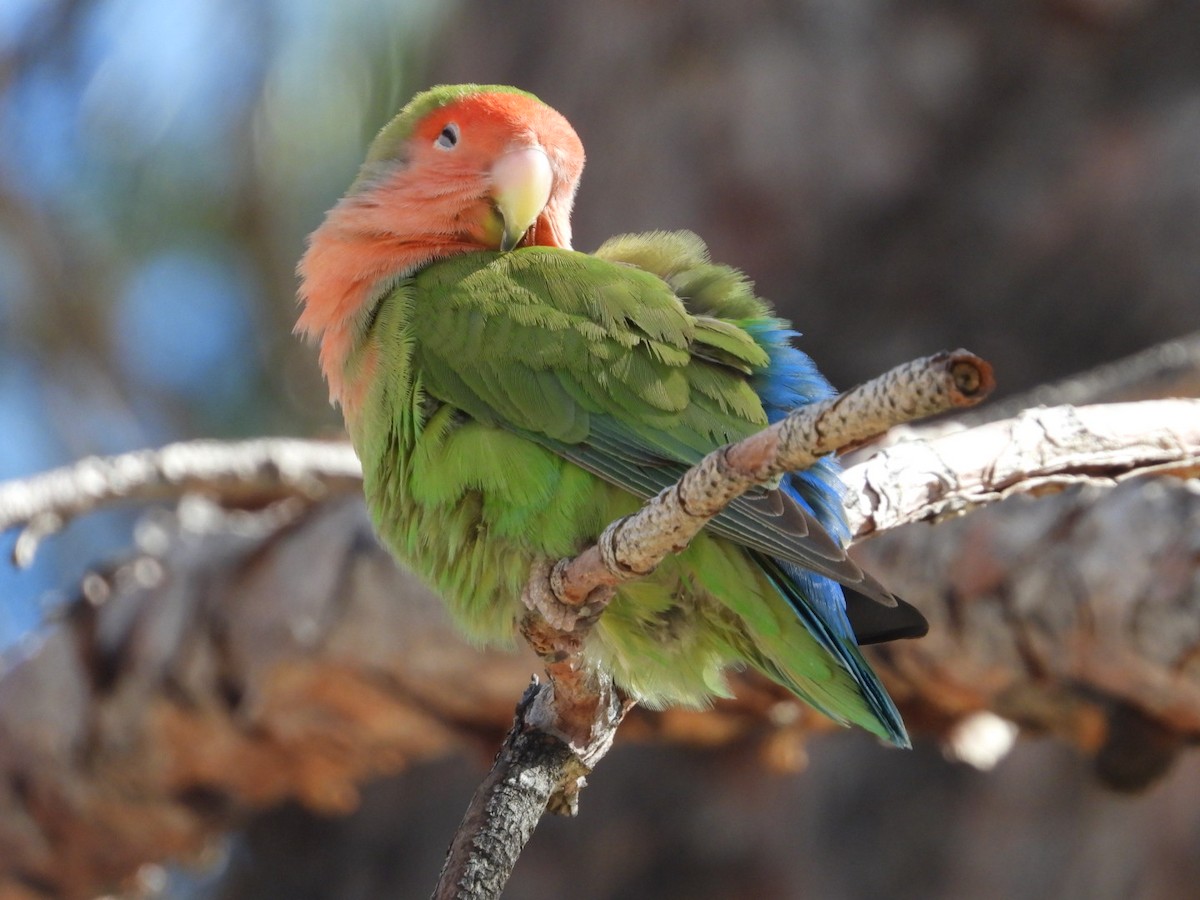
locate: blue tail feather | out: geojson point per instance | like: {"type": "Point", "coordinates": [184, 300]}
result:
{"type": "Point", "coordinates": [790, 380]}
{"type": "Point", "coordinates": [818, 603]}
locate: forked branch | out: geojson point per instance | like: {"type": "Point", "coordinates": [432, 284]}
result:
{"type": "Point", "coordinates": [578, 710]}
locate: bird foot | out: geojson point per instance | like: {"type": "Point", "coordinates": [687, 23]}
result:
{"type": "Point", "coordinates": [540, 595]}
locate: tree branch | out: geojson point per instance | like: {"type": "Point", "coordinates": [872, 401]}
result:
{"type": "Point", "coordinates": [579, 707]}
{"type": "Point", "coordinates": [528, 772]}
{"type": "Point", "coordinates": [911, 480]}
{"type": "Point", "coordinates": [248, 656]}
{"type": "Point", "coordinates": [633, 546]}
{"type": "Point", "coordinates": [245, 473]}
{"type": "Point", "coordinates": [1038, 452]}
{"type": "Point", "coordinates": [236, 664]}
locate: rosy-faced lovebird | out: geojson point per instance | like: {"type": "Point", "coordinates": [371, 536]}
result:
{"type": "Point", "coordinates": [509, 397]}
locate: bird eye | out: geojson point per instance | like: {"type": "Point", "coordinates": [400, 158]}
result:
{"type": "Point", "coordinates": [448, 138]}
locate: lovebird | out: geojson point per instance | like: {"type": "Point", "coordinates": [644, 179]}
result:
{"type": "Point", "coordinates": [509, 397]}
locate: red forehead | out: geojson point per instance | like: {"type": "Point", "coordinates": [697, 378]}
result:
{"type": "Point", "coordinates": [502, 116]}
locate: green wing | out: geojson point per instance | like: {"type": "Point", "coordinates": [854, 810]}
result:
{"type": "Point", "coordinates": [601, 362]}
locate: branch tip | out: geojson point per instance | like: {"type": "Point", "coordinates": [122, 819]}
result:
{"type": "Point", "coordinates": [37, 529]}
{"type": "Point", "coordinates": [972, 377]}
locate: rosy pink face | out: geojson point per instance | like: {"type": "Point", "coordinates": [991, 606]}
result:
{"type": "Point", "coordinates": [476, 159]}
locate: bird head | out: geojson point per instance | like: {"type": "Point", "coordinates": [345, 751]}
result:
{"type": "Point", "coordinates": [491, 165]}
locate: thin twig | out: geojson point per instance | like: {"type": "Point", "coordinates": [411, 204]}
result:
{"type": "Point", "coordinates": [633, 546]}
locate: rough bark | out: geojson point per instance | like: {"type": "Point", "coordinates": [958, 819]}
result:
{"type": "Point", "coordinates": [528, 771]}
{"type": "Point", "coordinates": [1076, 615]}
{"type": "Point", "coordinates": [246, 656]}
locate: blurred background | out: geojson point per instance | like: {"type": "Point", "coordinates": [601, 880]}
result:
{"type": "Point", "coordinates": [1021, 179]}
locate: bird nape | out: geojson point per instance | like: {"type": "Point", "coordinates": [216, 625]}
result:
{"type": "Point", "coordinates": [509, 397]}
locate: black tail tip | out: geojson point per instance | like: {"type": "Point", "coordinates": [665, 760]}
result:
{"type": "Point", "coordinates": [874, 623]}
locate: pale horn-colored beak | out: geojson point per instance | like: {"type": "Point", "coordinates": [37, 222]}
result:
{"type": "Point", "coordinates": [521, 184]}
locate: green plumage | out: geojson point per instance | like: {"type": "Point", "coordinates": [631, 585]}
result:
{"type": "Point", "coordinates": [512, 393]}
